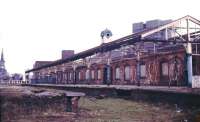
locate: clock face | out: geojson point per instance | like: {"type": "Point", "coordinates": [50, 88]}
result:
{"type": "Point", "coordinates": [107, 33]}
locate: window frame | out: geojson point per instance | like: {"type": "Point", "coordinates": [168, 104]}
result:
{"type": "Point", "coordinates": [87, 74]}
{"type": "Point", "coordinates": [79, 75]}
{"type": "Point", "coordinates": [117, 74]}
{"type": "Point", "coordinates": [129, 73]}
{"type": "Point", "coordinates": [98, 74]}
{"type": "Point", "coordinates": [145, 69]}
{"type": "Point", "coordinates": [162, 69]}
{"type": "Point", "coordinates": [93, 74]}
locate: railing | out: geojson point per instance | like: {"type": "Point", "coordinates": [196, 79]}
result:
{"type": "Point", "coordinates": [13, 82]}
{"type": "Point", "coordinates": [43, 80]}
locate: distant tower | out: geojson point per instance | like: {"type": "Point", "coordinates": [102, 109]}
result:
{"type": "Point", "coordinates": [2, 61]}
{"type": "Point", "coordinates": [106, 36]}
{"type": "Point", "coordinates": [3, 72]}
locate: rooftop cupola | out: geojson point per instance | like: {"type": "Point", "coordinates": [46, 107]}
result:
{"type": "Point", "coordinates": [106, 36]}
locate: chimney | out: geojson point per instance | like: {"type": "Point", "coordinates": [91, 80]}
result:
{"type": "Point", "coordinates": [67, 53]}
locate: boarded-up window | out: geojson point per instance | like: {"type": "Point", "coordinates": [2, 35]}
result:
{"type": "Point", "coordinates": [127, 73]}
{"type": "Point", "coordinates": [87, 74]}
{"type": "Point", "coordinates": [92, 74]}
{"type": "Point", "coordinates": [117, 73]}
{"type": "Point", "coordinates": [98, 74]}
{"type": "Point", "coordinates": [142, 70]}
{"type": "Point", "coordinates": [164, 68]}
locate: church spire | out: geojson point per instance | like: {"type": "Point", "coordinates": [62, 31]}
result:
{"type": "Point", "coordinates": [2, 57]}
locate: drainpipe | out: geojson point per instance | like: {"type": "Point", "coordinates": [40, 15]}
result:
{"type": "Point", "coordinates": [189, 57]}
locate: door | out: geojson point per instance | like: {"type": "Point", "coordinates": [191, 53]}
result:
{"type": "Point", "coordinates": [107, 75]}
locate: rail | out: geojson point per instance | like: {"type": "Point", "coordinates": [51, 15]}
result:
{"type": "Point", "coordinates": [14, 82]}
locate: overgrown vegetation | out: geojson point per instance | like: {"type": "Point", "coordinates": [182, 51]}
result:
{"type": "Point", "coordinates": [17, 107]}
{"type": "Point", "coordinates": [94, 110]}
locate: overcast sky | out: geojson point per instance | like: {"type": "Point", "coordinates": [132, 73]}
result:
{"type": "Point", "coordinates": [33, 30]}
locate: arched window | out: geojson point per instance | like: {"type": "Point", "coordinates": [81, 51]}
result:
{"type": "Point", "coordinates": [98, 74]}
{"type": "Point", "coordinates": [127, 73]}
{"type": "Point", "coordinates": [65, 76]}
{"type": "Point", "coordinates": [164, 69]}
{"type": "Point", "coordinates": [83, 73]}
{"type": "Point", "coordinates": [70, 76]}
{"type": "Point", "coordinates": [92, 75]}
{"type": "Point", "coordinates": [59, 76]}
{"type": "Point", "coordinates": [142, 70]}
{"type": "Point", "coordinates": [87, 74]}
{"type": "Point", "coordinates": [117, 73]}
{"type": "Point", "coordinates": [79, 75]}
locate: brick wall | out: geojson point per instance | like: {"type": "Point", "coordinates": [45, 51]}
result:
{"type": "Point", "coordinates": [175, 76]}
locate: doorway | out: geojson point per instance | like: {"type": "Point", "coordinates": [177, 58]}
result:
{"type": "Point", "coordinates": [107, 75]}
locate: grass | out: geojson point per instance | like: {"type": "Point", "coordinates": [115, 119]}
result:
{"type": "Point", "coordinates": [28, 109]}
{"type": "Point", "coordinates": [121, 110]}
{"type": "Point", "coordinates": [98, 110]}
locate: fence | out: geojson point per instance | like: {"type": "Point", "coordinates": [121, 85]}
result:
{"type": "Point", "coordinates": [13, 82]}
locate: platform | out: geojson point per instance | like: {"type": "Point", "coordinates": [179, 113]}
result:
{"type": "Point", "coordinates": [181, 90]}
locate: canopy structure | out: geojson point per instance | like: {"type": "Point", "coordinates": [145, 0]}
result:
{"type": "Point", "coordinates": [184, 31]}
